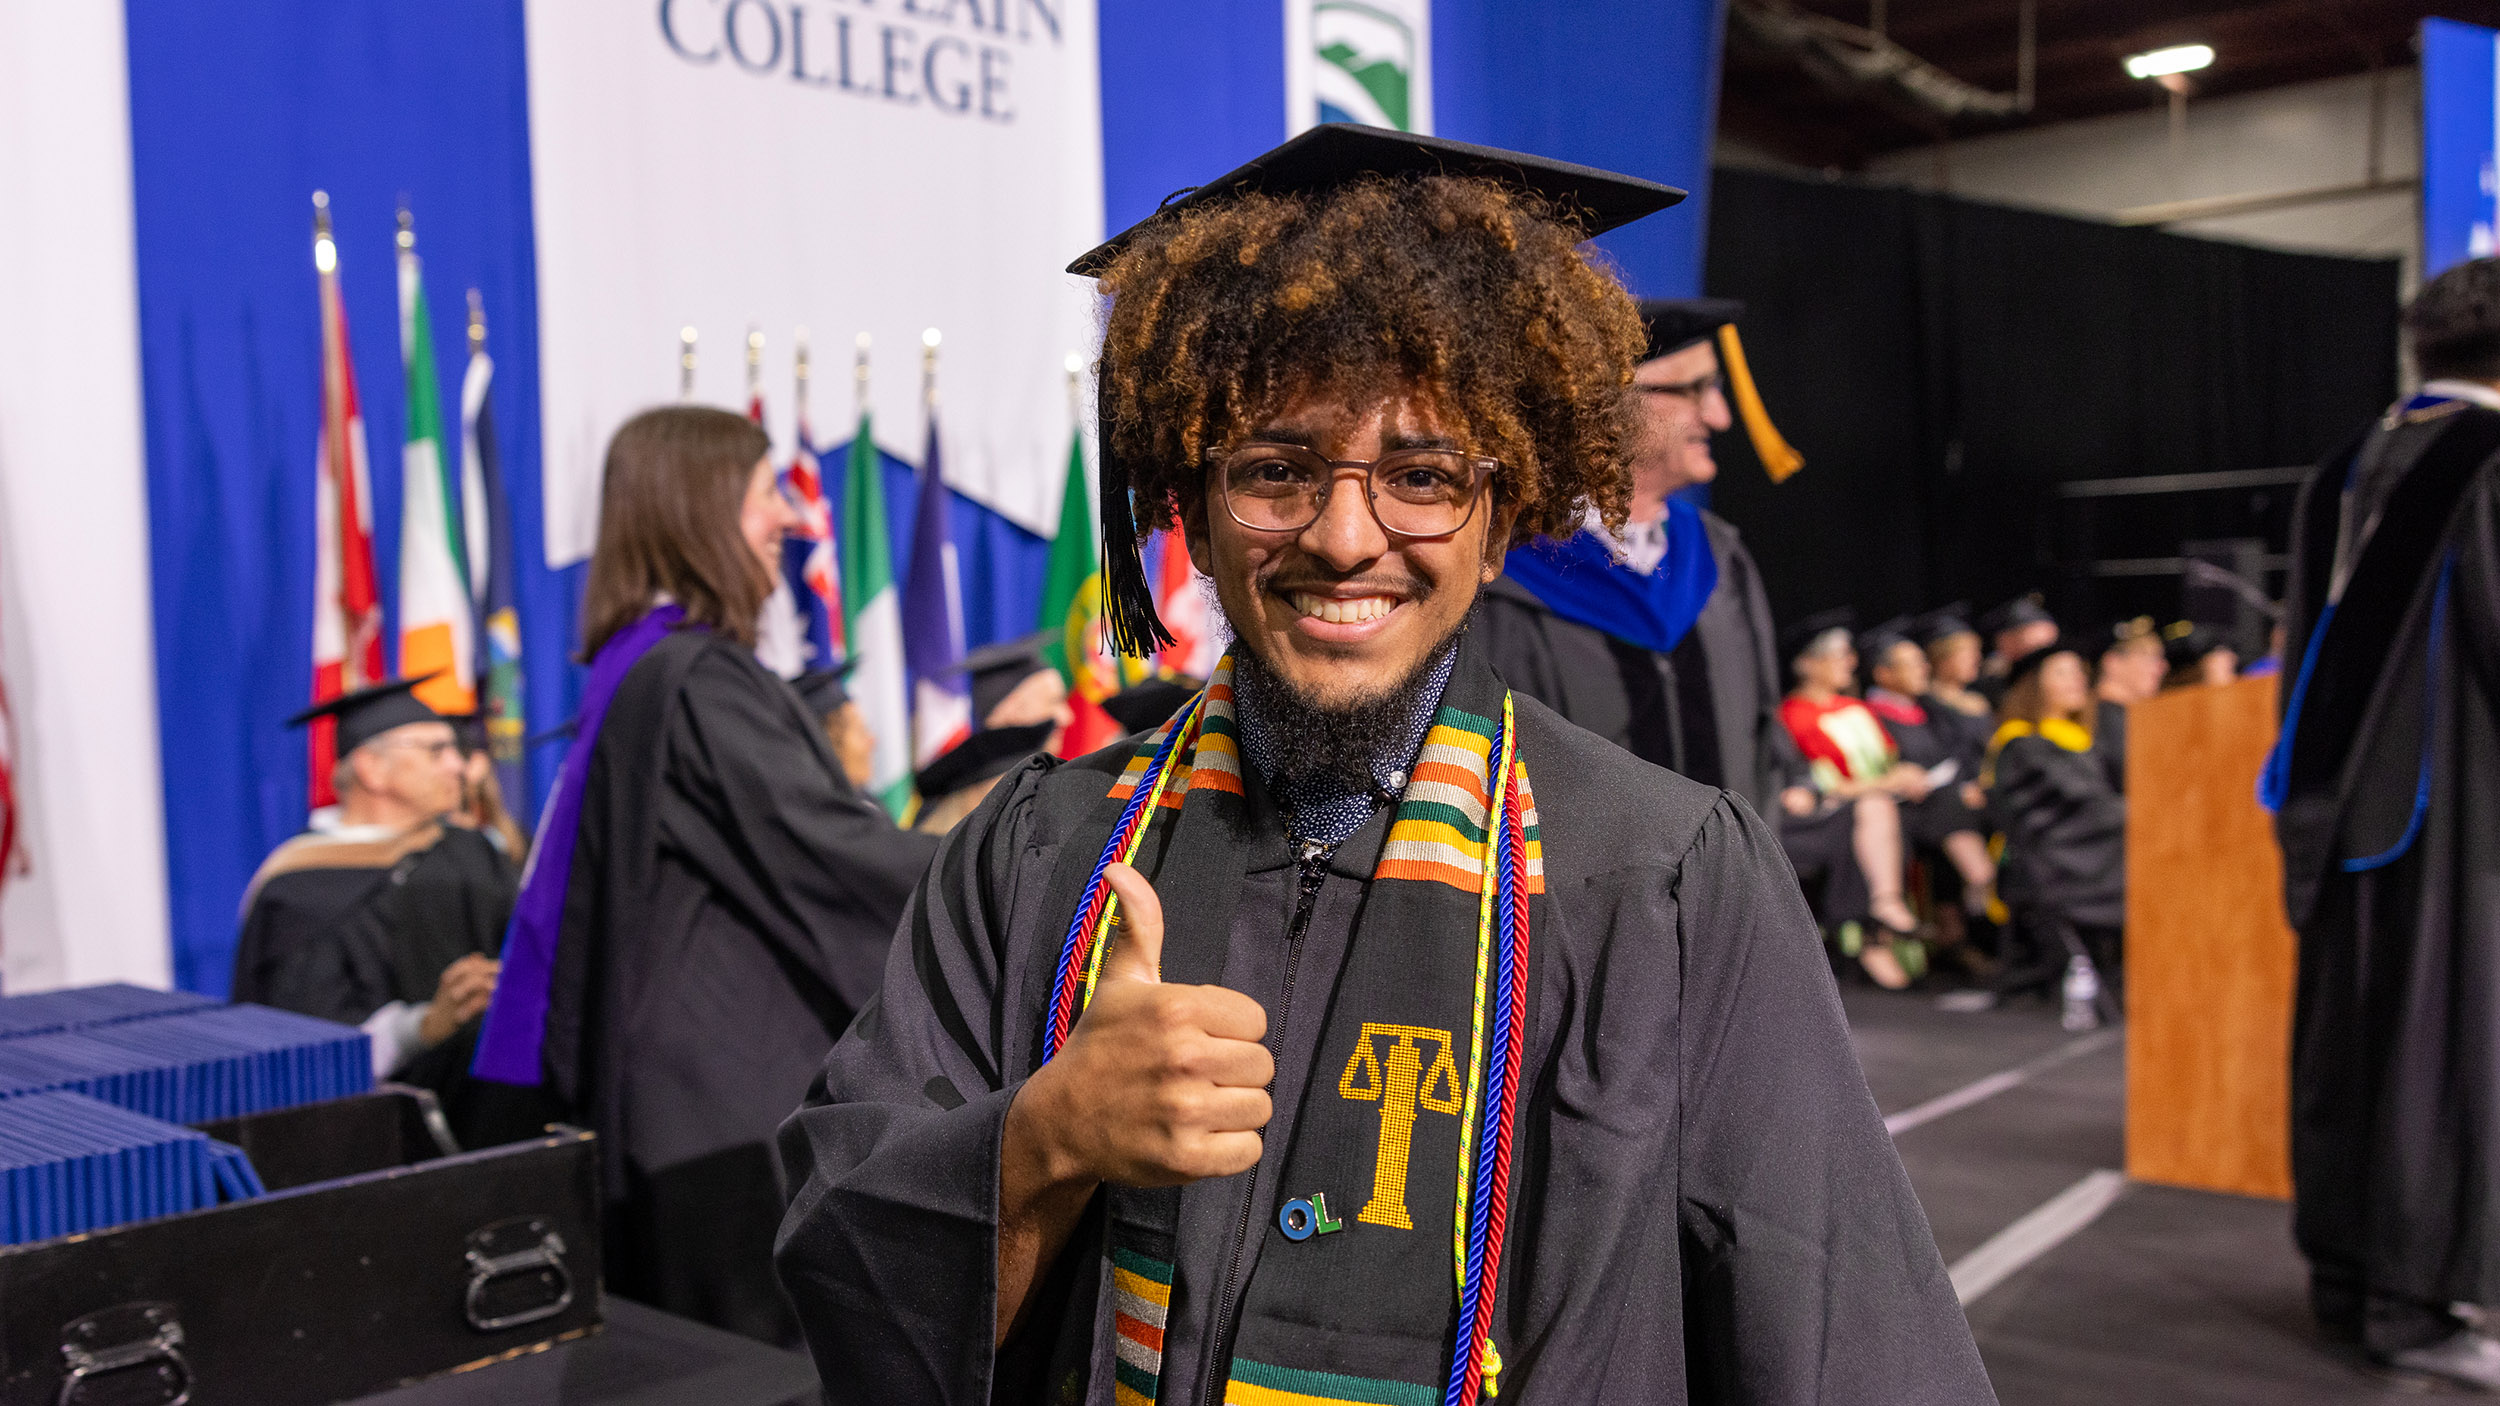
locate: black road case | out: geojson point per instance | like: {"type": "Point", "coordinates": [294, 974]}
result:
{"type": "Point", "coordinates": [380, 1257]}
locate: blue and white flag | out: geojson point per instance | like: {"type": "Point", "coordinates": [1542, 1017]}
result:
{"type": "Point", "coordinates": [933, 621]}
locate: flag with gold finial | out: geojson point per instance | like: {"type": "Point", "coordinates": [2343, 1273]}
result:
{"type": "Point", "coordinates": [437, 633]}
{"type": "Point", "coordinates": [347, 599]}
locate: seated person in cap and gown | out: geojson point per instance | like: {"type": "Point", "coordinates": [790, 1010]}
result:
{"type": "Point", "coordinates": [382, 914]}
{"type": "Point", "coordinates": [1658, 637]}
{"type": "Point", "coordinates": [1190, 1130]}
{"type": "Point", "coordinates": [1021, 701]}
{"type": "Point", "coordinates": [1859, 787]}
{"type": "Point", "coordinates": [2197, 654]}
{"type": "Point", "coordinates": [2013, 630]}
{"type": "Point", "coordinates": [1953, 666]}
{"type": "Point", "coordinates": [1947, 819]}
{"type": "Point", "coordinates": [2064, 871]}
{"type": "Point", "coordinates": [2131, 670]}
{"type": "Point", "coordinates": [711, 900]}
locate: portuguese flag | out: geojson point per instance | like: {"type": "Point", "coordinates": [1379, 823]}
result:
{"type": "Point", "coordinates": [1071, 619]}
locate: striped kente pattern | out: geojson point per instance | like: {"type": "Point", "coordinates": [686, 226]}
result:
{"type": "Point", "coordinates": [1440, 832]}
{"type": "Point", "coordinates": [1259, 1384]}
{"type": "Point", "coordinates": [1141, 1298]}
{"type": "Point", "coordinates": [1209, 761]}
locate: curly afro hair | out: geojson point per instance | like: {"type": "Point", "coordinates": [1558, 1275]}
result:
{"type": "Point", "coordinates": [1475, 295]}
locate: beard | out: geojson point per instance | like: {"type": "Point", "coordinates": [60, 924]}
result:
{"type": "Point", "coordinates": [1339, 743]}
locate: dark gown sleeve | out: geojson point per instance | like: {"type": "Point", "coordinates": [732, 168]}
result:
{"type": "Point", "coordinates": [890, 1247]}
{"type": "Point", "coordinates": [312, 943]}
{"type": "Point", "coordinates": [765, 816]}
{"type": "Point", "coordinates": [1810, 1273]}
{"type": "Point", "coordinates": [2065, 832]}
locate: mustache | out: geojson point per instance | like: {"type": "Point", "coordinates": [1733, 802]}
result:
{"type": "Point", "coordinates": [1284, 582]}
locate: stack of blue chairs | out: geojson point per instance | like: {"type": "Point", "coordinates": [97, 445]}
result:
{"type": "Point", "coordinates": [69, 1164]}
{"type": "Point", "coordinates": [96, 1083]}
{"type": "Point", "coordinates": [195, 1065]}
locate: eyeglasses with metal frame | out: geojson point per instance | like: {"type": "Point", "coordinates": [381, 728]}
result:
{"type": "Point", "coordinates": [1412, 493]}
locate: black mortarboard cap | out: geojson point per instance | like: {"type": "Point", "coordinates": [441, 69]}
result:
{"type": "Point", "coordinates": [996, 669]}
{"type": "Point", "coordinates": [1877, 638]}
{"type": "Point", "coordinates": [369, 712]}
{"type": "Point", "coordinates": [1324, 158]}
{"type": "Point", "coordinates": [2029, 664]}
{"type": "Point", "coordinates": [2024, 609]}
{"type": "Point", "coordinates": [1944, 622]}
{"type": "Point", "coordinates": [979, 757]}
{"type": "Point", "coordinates": [1150, 703]}
{"type": "Point", "coordinates": [1801, 634]}
{"type": "Point", "coordinates": [1676, 323]}
{"type": "Point", "coordinates": [822, 690]}
{"type": "Point", "coordinates": [2185, 643]}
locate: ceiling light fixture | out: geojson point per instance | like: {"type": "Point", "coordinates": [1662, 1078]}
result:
{"type": "Point", "coordinates": [2178, 58]}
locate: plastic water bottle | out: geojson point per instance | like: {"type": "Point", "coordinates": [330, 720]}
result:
{"type": "Point", "coordinates": [2083, 994]}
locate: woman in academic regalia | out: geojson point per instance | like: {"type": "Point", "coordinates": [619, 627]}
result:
{"type": "Point", "coordinates": [2064, 873]}
{"type": "Point", "coordinates": [711, 900]}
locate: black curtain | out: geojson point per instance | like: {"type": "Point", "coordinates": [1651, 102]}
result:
{"type": "Point", "coordinates": [1944, 365]}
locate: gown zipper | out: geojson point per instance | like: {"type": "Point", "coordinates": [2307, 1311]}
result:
{"type": "Point", "coordinates": [1312, 871]}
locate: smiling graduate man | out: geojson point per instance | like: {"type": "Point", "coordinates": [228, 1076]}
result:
{"type": "Point", "coordinates": [1366, 1033]}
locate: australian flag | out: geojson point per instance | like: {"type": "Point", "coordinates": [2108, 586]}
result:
{"type": "Point", "coordinates": [807, 559]}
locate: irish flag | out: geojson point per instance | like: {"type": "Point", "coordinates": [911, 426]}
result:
{"type": "Point", "coordinates": [436, 632]}
{"type": "Point", "coordinates": [872, 620]}
{"type": "Point", "coordinates": [347, 600]}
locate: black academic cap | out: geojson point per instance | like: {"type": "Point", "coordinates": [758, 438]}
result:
{"type": "Point", "coordinates": [1340, 153]}
{"type": "Point", "coordinates": [2185, 643]}
{"type": "Point", "coordinates": [2024, 609]}
{"type": "Point", "coordinates": [1324, 158]}
{"type": "Point", "coordinates": [996, 669]}
{"type": "Point", "coordinates": [1676, 323]}
{"type": "Point", "coordinates": [1877, 638]}
{"type": "Point", "coordinates": [1943, 623]}
{"type": "Point", "coordinates": [822, 690]}
{"type": "Point", "coordinates": [369, 712]}
{"type": "Point", "coordinates": [1151, 703]}
{"type": "Point", "coordinates": [2029, 664]}
{"type": "Point", "coordinates": [1801, 635]}
{"type": "Point", "coordinates": [985, 754]}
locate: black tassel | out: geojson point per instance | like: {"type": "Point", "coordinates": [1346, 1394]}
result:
{"type": "Point", "coordinates": [1128, 601]}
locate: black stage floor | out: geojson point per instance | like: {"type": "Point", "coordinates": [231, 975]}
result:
{"type": "Point", "coordinates": [2165, 1296]}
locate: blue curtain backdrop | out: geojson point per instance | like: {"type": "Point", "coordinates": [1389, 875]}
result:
{"type": "Point", "coordinates": [1191, 91]}
{"type": "Point", "coordinates": [237, 114]}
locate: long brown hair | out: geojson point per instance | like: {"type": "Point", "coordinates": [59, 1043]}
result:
{"type": "Point", "coordinates": [2026, 701]}
{"type": "Point", "coordinates": [676, 478]}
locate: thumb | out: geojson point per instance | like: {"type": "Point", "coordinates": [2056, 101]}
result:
{"type": "Point", "coordinates": [1137, 942]}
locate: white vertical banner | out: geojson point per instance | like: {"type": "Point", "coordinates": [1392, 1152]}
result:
{"type": "Point", "coordinates": [1366, 61]}
{"type": "Point", "coordinates": [828, 164]}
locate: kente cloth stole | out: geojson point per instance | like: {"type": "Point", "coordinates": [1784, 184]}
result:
{"type": "Point", "coordinates": [1384, 1254]}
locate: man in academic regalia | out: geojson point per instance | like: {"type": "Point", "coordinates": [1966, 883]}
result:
{"type": "Point", "coordinates": [2014, 631]}
{"type": "Point", "coordinates": [1659, 638]}
{"type": "Point", "coordinates": [1368, 1032]}
{"type": "Point", "coordinates": [2382, 783]}
{"type": "Point", "coordinates": [381, 914]}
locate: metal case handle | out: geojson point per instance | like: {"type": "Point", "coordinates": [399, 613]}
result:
{"type": "Point", "coordinates": [103, 1344]}
{"type": "Point", "coordinates": [546, 1257]}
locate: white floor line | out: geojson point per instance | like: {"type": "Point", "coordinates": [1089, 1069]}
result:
{"type": "Point", "coordinates": [2047, 1227]}
{"type": "Point", "coordinates": [1997, 1083]}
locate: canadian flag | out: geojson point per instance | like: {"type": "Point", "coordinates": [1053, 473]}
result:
{"type": "Point", "coordinates": [347, 600]}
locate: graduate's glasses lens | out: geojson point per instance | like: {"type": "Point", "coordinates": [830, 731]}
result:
{"type": "Point", "coordinates": [1413, 493]}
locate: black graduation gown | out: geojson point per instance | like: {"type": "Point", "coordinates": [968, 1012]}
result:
{"type": "Point", "coordinates": [1929, 745]}
{"type": "Point", "coordinates": [2109, 738]}
{"type": "Point", "coordinates": [730, 906]}
{"type": "Point", "coordinates": [1621, 691]}
{"type": "Point", "coordinates": [341, 928]}
{"type": "Point", "coordinates": [2388, 830]}
{"type": "Point", "coordinates": [1709, 1208]}
{"type": "Point", "coordinates": [2065, 834]}
{"type": "Point", "coordinates": [1740, 653]}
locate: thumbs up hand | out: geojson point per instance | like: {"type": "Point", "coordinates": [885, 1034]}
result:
{"type": "Point", "coordinates": [1159, 1083]}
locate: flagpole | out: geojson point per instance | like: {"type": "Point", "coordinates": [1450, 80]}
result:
{"type": "Point", "coordinates": [755, 364]}
{"type": "Point", "coordinates": [798, 377]}
{"type": "Point", "coordinates": [477, 323]}
{"type": "Point", "coordinates": [859, 377]}
{"type": "Point", "coordinates": [685, 362]}
{"type": "Point", "coordinates": [928, 369]}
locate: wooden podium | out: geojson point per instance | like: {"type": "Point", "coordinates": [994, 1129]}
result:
{"type": "Point", "coordinates": [2210, 957]}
